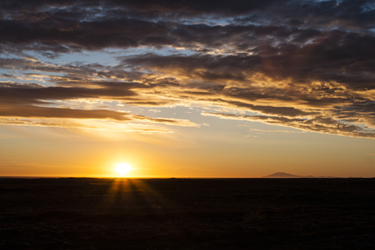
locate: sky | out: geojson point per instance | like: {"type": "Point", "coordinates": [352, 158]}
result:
{"type": "Point", "coordinates": [187, 88]}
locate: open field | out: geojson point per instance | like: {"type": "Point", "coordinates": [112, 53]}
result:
{"type": "Point", "coordinates": [88, 213]}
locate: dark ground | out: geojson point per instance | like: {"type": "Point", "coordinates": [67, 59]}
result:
{"type": "Point", "coordinates": [85, 213]}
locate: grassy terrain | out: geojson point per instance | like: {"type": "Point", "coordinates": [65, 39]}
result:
{"type": "Point", "coordinates": [87, 213]}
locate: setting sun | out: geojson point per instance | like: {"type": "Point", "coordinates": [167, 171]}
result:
{"type": "Point", "coordinates": [123, 168]}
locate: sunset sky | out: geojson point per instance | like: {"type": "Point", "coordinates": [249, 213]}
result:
{"type": "Point", "coordinates": [187, 88]}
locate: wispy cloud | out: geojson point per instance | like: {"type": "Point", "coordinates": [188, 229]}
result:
{"type": "Point", "coordinates": [88, 125]}
{"type": "Point", "coordinates": [274, 131]}
{"type": "Point", "coordinates": [321, 125]}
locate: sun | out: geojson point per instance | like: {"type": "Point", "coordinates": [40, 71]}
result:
{"type": "Point", "coordinates": [123, 168]}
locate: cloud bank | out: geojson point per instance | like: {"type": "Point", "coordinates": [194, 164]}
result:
{"type": "Point", "coordinates": [302, 64]}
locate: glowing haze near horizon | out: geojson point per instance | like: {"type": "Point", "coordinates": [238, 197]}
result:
{"type": "Point", "coordinates": [187, 88]}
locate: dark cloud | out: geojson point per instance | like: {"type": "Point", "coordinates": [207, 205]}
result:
{"type": "Point", "coordinates": [319, 12]}
{"type": "Point", "coordinates": [150, 7]}
{"type": "Point", "coordinates": [304, 64]}
{"type": "Point", "coordinates": [69, 26]}
{"type": "Point", "coordinates": [30, 100]}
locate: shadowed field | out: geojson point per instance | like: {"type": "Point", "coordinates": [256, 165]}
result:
{"type": "Point", "coordinates": [88, 213]}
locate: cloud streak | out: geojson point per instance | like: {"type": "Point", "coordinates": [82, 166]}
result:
{"type": "Point", "coordinates": [320, 124]}
{"type": "Point", "coordinates": [21, 100]}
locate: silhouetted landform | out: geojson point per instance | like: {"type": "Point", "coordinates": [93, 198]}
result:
{"type": "Point", "coordinates": [187, 214]}
{"type": "Point", "coordinates": [286, 175]}
{"type": "Point", "coordinates": [282, 175]}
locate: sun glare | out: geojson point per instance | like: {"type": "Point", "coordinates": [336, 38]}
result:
{"type": "Point", "coordinates": [123, 168]}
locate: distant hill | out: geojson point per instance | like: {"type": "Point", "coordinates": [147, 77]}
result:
{"type": "Point", "coordinates": [282, 175]}
{"type": "Point", "coordinates": [286, 175]}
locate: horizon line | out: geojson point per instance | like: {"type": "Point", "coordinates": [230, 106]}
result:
{"type": "Point", "coordinates": [143, 177]}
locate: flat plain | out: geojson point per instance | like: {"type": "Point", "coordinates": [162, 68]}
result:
{"type": "Point", "coordinates": [90, 213]}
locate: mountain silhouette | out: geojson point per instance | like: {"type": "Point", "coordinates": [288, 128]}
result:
{"type": "Point", "coordinates": [282, 175]}
{"type": "Point", "coordinates": [286, 175]}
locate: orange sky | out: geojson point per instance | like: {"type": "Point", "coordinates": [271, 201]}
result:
{"type": "Point", "coordinates": [187, 90]}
